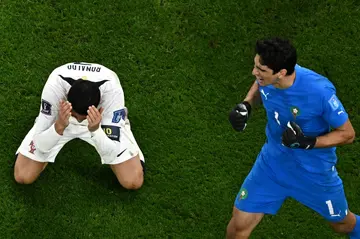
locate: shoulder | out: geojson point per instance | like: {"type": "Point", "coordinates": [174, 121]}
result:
{"type": "Point", "coordinates": [314, 82]}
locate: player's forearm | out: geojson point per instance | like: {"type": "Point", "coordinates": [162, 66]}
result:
{"type": "Point", "coordinates": [253, 96]}
{"type": "Point", "coordinates": [104, 145]}
{"type": "Point", "coordinates": [47, 139]}
{"type": "Point", "coordinates": [334, 138]}
{"type": "Point", "coordinates": [59, 128]}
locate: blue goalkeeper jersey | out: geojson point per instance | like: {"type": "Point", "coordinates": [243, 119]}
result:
{"type": "Point", "coordinates": [312, 103]}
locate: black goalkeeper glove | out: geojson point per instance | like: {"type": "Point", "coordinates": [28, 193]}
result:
{"type": "Point", "coordinates": [293, 137]}
{"type": "Point", "coordinates": [239, 115]}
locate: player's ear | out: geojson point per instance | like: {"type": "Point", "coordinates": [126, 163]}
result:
{"type": "Point", "coordinates": [283, 72]}
{"type": "Point", "coordinates": [69, 80]}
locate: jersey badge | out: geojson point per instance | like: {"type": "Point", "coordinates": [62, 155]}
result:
{"type": "Point", "coordinates": [334, 102]}
{"type": "Point", "coordinates": [45, 107]}
{"type": "Point", "coordinates": [118, 115]}
{"type": "Point", "coordinates": [295, 111]}
{"type": "Point", "coordinates": [32, 147]}
{"type": "Point", "coordinates": [243, 194]}
{"type": "Point", "coordinates": [112, 132]}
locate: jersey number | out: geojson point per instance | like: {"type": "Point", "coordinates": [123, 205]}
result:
{"type": "Point", "coordinates": [331, 209]}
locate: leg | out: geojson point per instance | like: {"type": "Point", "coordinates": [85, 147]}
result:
{"type": "Point", "coordinates": [350, 224]}
{"type": "Point", "coordinates": [128, 166]}
{"type": "Point", "coordinates": [28, 165]}
{"type": "Point", "coordinates": [242, 224]}
{"type": "Point", "coordinates": [30, 162]}
{"type": "Point", "coordinates": [259, 195]}
{"type": "Point", "coordinates": [130, 170]}
{"type": "Point", "coordinates": [332, 205]}
{"type": "Point", "coordinates": [26, 170]}
{"type": "Point", "coordinates": [129, 173]}
{"type": "Point", "coordinates": [347, 225]}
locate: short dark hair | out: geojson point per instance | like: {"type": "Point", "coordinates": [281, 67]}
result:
{"type": "Point", "coordinates": [277, 54]}
{"type": "Point", "coordinates": [82, 95]}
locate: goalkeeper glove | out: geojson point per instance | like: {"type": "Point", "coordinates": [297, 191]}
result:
{"type": "Point", "coordinates": [239, 115]}
{"type": "Point", "coordinates": [293, 137]}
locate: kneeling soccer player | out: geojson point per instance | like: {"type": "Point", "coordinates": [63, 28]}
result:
{"type": "Point", "coordinates": [85, 101]}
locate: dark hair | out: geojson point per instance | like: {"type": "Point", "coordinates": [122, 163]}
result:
{"type": "Point", "coordinates": [277, 54]}
{"type": "Point", "coordinates": [82, 95]}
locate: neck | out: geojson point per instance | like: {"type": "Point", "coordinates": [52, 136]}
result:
{"type": "Point", "coordinates": [286, 81]}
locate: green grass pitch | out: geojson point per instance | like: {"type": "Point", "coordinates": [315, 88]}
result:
{"type": "Point", "coordinates": [183, 65]}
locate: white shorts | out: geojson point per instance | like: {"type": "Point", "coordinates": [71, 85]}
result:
{"type": "Point", "coordinates": [127, 140]}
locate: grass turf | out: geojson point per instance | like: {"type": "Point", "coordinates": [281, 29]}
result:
{"type": "Point", "coordinates": [183, 65]}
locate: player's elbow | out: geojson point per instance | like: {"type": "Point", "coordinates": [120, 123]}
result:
{"type": "Point", "coordinates": [351, 139]}
{"type": "Point", "coordinates": [350, 136]}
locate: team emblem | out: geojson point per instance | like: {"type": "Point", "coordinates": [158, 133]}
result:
{"type": "Point", "coordinates": [32, 147]}
{"type": "Point", "coordinates": [295, 111]}
{"type": "Point", "coordinates": [243, 194]}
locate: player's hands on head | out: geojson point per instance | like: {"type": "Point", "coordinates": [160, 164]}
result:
{"type": "Point", "coordinates": [94, 118]}
{"type": "Point", "coordinates": [239, 116]}
{"type": "Point", "coordinates": [293, 137]}
{"type": "Point", "coordinates": [63, 116]}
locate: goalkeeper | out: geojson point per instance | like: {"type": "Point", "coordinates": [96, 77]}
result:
{"type": "Point", "coordinates": [306, 121]}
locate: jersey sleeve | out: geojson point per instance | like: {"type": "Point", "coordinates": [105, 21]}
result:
{"type": "Point", "coordinates": [107, 137]}
{"type": "Point", "coordinates": [45, 136]}
{"type": "Point", "coordinates": [334, 112]}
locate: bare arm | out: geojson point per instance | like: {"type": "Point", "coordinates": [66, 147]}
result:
{"type": "Point", "coordinates": [344, 134]}
{"type": "Point", "coordinates": [253, 96]}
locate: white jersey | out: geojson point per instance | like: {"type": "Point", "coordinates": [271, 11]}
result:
{"type": "Point", "coordinates": [107, 137]}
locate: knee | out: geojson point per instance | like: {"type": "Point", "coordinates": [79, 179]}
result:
{"type": "Point", "coordinates": [230, 230]}
{"type": "Point", "coordinates": [133, 182]}
{"type": "Point", "coordinates": [346, 226]}
{"type": "Point", "coordinates": [237, 230]}
{"type": "Point", "coordinates": [26, 170]}
{"type": "Point", "coordinates": [343, 228]}
{"type": "Point", "coordinates": [22, 178]}
{"type": "Point", "coordinates": [241, 233]}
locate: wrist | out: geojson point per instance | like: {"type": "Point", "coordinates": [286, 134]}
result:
{"type": "Point", "coordinates": [309, 142]}
{"type": "Point", "coordinates": [93, 129]}
{"type": "Point", "coordinates": [313, 142]}
{"type": "Point", "coordinates": [247, 105]}
{"type": "Point", "coordinates": [59, 128]}
{"type": "Point", "coordinates": [95, 132]}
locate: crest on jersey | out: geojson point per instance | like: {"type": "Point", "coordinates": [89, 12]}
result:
{"type": "Point", "coordinates": [243, 194]}
{"type": "Point", "coordinates": [295, 111]}
{"type": "Point", "coordinates": [32, 147]}
{"type": "Point", "coordinates": [118, 115]}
